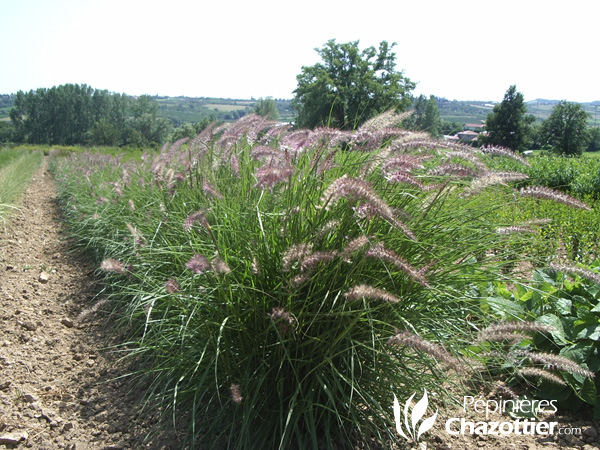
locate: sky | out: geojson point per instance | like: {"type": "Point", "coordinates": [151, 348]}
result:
{"type": "Point", "coordinates": [457, 49]}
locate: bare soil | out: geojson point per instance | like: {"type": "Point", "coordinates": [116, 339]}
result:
{"type": "Point", "coordinates": [59, 386]}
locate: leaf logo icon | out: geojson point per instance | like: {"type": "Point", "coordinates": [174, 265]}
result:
{"type": "Point", "coordinates": [418, 411]}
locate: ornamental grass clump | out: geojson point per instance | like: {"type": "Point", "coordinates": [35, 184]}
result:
{"type": "Point", "coordinates": [283, 293]}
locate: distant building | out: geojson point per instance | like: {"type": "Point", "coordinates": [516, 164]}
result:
{"type": "Point", "coordinates": [467, 136]}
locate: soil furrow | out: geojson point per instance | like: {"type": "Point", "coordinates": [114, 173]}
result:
{"type": "Point", "coordinates": [58, 389]}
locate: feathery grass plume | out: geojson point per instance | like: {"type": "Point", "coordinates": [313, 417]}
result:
{"type": "Point", "coordinates": [353, 246]}
{"type": "Point", "coordinates": [405, 178]}
{"type": "Point", "coordinates": [113, 265]}
{"type": "Point", "coordinates": [91, 310]}
{"type": "Point", "coordinates": [193, 219]}
{"type": "Point", "coordinates": [502, 389]}
{"type": "Point", "coordinates": [198, 264]}
{"type": "Point", "coordinates": [249, 125]}
{"type": "Point", "coordinates": [514, 229]}
{"type": "Point", "coordinates": [236, 393]}
{"type": "Point", "coordinates": [172, 286]}
{"type": "Point", "coordinates": [296, 252]}
{"type": "Point", "coordinates": [402, 163]}
{"type": "Point", "coordinates": [269, 176]}
{"type": "Point", "coordinates": [314, 259]}
{"type": "Point", "coordinates": [550, 194]}
{"type": "Point", "coordinates": [304, 255]}
{"type": "Point", "coordinates": [356, 189]}
{"type": "Point", "coordinates": [295, 142]}
{"type": "Point", "coordinates": [364, 140]}
{"type": "Point", "coordinates": [255, 266]}
{"type": "Point", "coordinates": [437, 352]}
{"type": "Point", "coordinates": [329, 226]}
{"type": "Point", "coordinates": [507, 176]}
{"type": "Point", "coordinates": [220, 266]}
{"type": "Point", "coordinates": [176, 146]}
{"type": "Point", "coordinates": [421, 141]}
{"type": "Point", "coordinates": [541, 373]}
{"type": "Point", "coordinates": [386, 119]}
{"type": "Point", "coordinates": [492, 178]}
{"type": "Point", "coordinates": [583, 273]}
{"type": "Point", "coordinates": [275, 133]}
{"type": "Point", "coordinates": [209, 190]}
{"type": "Point", "coordinates": [283, 319]}
{"type": "Point", "coordinates": [325, 137]}
{"type": "Point", "coordinates": [556, 363]}
{"type": "Point", "coordinates": [262, 152]}
{"type": "Point", "coordinates": [366, 291]}
{"type": "Point", "coordinates": [503, 151]}
{"type": "Point", "coordinates": [511, 331]}
{"type": "Point", "coordinates": [466, 155]}
{"type": "Point", "coordinates": [203, 139]}
{"type": "Point", "coordinates": [380, 252]}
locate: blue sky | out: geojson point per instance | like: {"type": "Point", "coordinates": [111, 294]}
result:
{"type": "Point", "coordinates": [461, 49]}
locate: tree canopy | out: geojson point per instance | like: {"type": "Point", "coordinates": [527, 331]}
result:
{"type": "Point", "coordinates": [425, 116]}
{"type": "Point", "coordinates": [350, 86]}
{"type": "Point", "coordinates": [566, 129]}
{"type": "Point", "coordinates": [78, 114]}
{"type": "Point", "coordinates": [509, 125]}
{"type": "Point", "coordinates": [267, 108]}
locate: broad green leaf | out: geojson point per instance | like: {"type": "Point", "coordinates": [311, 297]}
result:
{"type": "Point", "coordinates": [591, 332]}
{"type": "Point", "coordinates": [563, 306]}
{"type": "Point", "coordinates": [505, 308]}
{"type": "Point", "coordinates": [578, 352]}
{"type": "Point", "coordinates": [588, 392]}
{"type": "Point", "coordinates": [558, 333]}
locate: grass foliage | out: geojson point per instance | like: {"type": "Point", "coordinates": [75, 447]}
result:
{"type": "Point", "coordinates": [16, 169]}
{"type": "Point", "coordinates": [276, 290]}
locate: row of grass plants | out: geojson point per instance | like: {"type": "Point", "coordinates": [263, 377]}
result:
{"type": "Point", "coordinates": [278, 287]}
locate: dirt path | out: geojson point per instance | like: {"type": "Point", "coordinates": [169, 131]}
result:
{"type": "Point", "coordinates": [57, 388]}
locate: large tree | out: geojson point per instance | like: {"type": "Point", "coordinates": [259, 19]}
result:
{"type": "Point", "coordinates": [350, 86]}
{"type": "Point", "coordinates": [509, 125]}
{"type": "Point", "coordinates": [566, 129]}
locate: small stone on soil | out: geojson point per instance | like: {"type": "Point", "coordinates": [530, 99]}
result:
{"type": "Point", "coordinates": [13, 438]}
{"type": "Point", "coordinates": [67, 323]}
{"type": "Point", "coordinates": [44, 277]}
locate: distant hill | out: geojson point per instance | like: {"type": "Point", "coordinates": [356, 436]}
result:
{"type": "Point", "coordinates": [477, 111]}
{"type": "Point", "coordinates": [193, 109]}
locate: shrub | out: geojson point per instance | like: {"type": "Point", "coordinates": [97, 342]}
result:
{"type": "Point", "coordinates": [276, 290]}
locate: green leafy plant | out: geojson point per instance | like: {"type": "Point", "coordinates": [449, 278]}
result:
{"type": "Point", "coordinates": [564, 298]}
